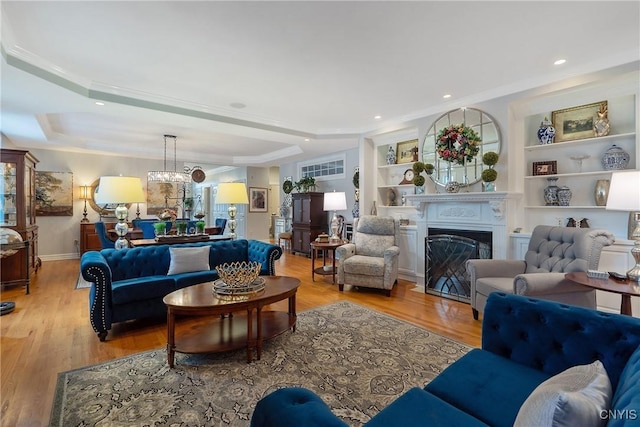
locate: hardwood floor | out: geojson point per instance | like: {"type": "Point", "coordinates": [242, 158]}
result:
{"type": "Point", "coordinates": [49, 331]}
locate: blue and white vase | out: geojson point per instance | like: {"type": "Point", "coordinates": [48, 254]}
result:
{"type": "Point", "coordinates": [391, 156]}
{"type": "Point", "coordinates": [546, 133]}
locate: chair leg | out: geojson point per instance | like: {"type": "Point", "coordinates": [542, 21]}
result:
{"type": "Point", "coordinates": [388, 292]}
{"type": "Point", "coordinates": [475, 313]}
{"type": "Point", "coordinates": [340, 287]}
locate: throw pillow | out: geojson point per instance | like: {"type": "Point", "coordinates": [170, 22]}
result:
{"type": "Point", "coordinates": [575, 397]}
{"type": "Point", "coordinates": [186, 260]}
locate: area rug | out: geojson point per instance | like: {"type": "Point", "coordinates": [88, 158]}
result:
{"type": "Point", "coordinates": [356, 359]}
{"type": "Point", "coordinates": [81, 283]}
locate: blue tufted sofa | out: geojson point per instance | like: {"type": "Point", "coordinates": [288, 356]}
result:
{"type": "Point", "coordinates": [525, 341]}
{"type": "Point", "coordinates": [129, 284]}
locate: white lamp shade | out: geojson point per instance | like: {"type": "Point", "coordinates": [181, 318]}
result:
{"type": "Point", "coordinates": [119, 189]}
{"type": "Point", "coordinates": [335, 201]}
{"type": "Point", "coordinates": [624, 191]}
{"type": "Point", "coordinates": [232, 192]}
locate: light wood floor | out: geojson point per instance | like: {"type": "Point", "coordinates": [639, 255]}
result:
{"type": "Point", "coordinates": [49, 332]}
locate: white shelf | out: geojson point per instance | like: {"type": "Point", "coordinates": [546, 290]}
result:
{"type": "Point", "coordinates": [397, 165]}
{"type": "Point", "coordinates": [396, 185]}
{"type": "Point", "coordinates": [398, 207]}
{"type": "Point", "coordinates": [566, 175]}
{"type": "Point", "coordinates": [564, 207]}
{"type": "Point", "coordinates": [566, 144]}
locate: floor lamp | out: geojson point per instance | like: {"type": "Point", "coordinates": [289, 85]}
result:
{"type": "Point", "coordinates": [335, 201]}
{"type": "Point", "coordinates": [232, 193]}
{"type": "Point", "coordinates": [120, 190]}
{"type": "Point", "coordinates": [624, 195]}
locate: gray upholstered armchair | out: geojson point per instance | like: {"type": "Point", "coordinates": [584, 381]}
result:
{"type": "Point", "coordinates": [552, 252]}
{"type": "Point", "coordinates": [371, 259]}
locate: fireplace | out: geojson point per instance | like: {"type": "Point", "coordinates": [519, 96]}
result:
{"type": "Point", "coordinates": [446, 251]}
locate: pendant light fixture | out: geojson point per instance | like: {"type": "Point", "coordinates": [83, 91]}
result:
{"type": "Point", "coordinates": [165, 175]}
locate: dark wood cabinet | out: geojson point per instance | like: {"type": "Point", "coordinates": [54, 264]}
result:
{"type": "Point", "coordinates": [18, 212]}
{"type": "Point", "coordinates": [89, 240]}
{"type": "Point", "coordinates": [309, 220]}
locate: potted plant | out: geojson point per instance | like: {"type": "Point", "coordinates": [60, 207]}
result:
{"type": "Point", "coordinates": [305, 184]}
{"type": "Point", "coordinates": [200, 227]}
{"type": "Point", "coordinates": [418, 179]}
{"type": "Point", "coordinates": [181, 227]}
{"type": "Point", "coordinates": [160, 228]}
{"type": "Point", "coordinates": [489, 176]}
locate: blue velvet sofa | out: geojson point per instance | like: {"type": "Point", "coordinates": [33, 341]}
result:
{"type": "Point", "coordinates": [130, 283]}
{"type": "Point", "coordinates": [525, 341]}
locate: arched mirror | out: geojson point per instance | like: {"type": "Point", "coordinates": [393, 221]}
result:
{"type": "Point", "coordinates": [486, 129]}
{"type": "Point", "coordinates": [105, 211]}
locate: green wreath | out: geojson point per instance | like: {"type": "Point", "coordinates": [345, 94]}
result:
{"type": "Point", "coordinates": [356, 179]}
{"type": "Point", "coordinates": [287, 187]}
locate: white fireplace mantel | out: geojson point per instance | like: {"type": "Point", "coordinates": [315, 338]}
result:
{"type": "Point", "coordinates": [490, 211]}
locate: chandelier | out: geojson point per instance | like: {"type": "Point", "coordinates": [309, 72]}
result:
{"type": "Point", "coordinates": [166, 175]}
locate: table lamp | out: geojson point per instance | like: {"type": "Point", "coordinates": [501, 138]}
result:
{"type": "Point", "coordinates": [624, 195]}
{"type": "Point", "coordinates": [335, 201]}
{"type": "Point", "coordinates": [120, 190]}
{"type": "Point", "coordinates": [232, 193]}
{"type": "Point", "coordinates": [85, 193]}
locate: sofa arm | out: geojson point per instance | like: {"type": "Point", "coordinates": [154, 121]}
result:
{"type": "Point", "coordinates": [94, 268]}
{"type": "Point", "coordinates": [479, 268]}
{"type": "Point", "coordinates": [534, 284]}
{"type": "Point", "coordinates": [390, 254]}
{"type": "Point", "coordinates": [266, 254]}
{"type": "Point", "coordinates": [293, 406]}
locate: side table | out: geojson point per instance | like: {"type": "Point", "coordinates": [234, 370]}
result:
{"type": "Point", "coordinates": [325, 248]}
{"type": "Point", "coordinates": [626, 288]}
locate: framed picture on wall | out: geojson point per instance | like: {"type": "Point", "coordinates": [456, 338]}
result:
{"type": "Point", "coordinates": [258, 201]}
{"type": "Point", "coordinates": [54, 193]}
{"type": "Point", "coordinates": [576, 122]}
{"type": "Point", "coordinates": [407, 151]}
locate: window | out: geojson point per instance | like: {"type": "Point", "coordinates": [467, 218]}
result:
{"type": "Point", "coordinates": [325, 169]}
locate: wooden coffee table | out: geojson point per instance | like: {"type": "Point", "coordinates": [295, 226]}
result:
{"type": "Point", "coordinates": [626, 288]}
{"type": "Point", "coordinates": [230, 332]}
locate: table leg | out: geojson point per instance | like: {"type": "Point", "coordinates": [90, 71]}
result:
{"type": "Point", "coordinates": [292, 309]}
{"type": "Point", "coordinates": [171, 343]}
{"type": "Point", "coordinates": [249, 334]}
{"type": "Point", "coordinates": [259, 320]}
{"type": "Point", "coordinates": [625, 305]}
{"type": "Point", "coordinates": [334, 266]}
{"type": "Point", "coordinates": [313, 264]}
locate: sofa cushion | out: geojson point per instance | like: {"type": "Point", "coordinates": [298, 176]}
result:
{"type": "Point", "coordinates": [142, 288]}
{"type": "Point", "coordinates": [418, 408]}
{"type": "Point", "coordinates": [186, 260]}
{"type": "Point", "coordinates": [625, 406]}
{"type": "Point", "coordinates": [487, 386]}
{"type": "Point", "coordinates": [364, 265]}
{"type": "Point", "coordinates": [576, 396]}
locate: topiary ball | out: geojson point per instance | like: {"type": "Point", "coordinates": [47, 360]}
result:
{"type": "Point", "coordinates": [418, 180]}
{"type": "Point", "coordinates": [489, 175]}
{"type": "Point", "coordinates": [418, 167]}
{"type": "Point", "coordinates": [490, 158]}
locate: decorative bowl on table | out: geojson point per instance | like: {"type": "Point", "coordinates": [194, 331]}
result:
{"type": "Point", "coordinates": [238, 278]}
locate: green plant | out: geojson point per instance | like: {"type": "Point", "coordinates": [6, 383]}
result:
{"type": "Point", "coordinates": [305, 183]}
{"type": "Point", "coordinates": [489, 175]}
{"type": "Point", "coordinates": [429, 168]}
{"type": "Point", "coordinates": [181, 227]}
{"type": "Point", "coordinates": [200, 225]}
{"type": "Point", "coordinates": [356, 179]}
{"type": "Point", "coordinates": [418, 180]}
{"type": "Point", "coordinates": [287, 186]}
{"type": "Point", "coordinates": [418, 167]}
{"type": "Point", "coordinates": [188, 203]}
{"type": "Point", "coordinates": [490, 158]}
{"type": "Point", "coordinates": [160, 228]}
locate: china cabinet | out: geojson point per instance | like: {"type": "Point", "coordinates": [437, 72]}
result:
{"type": "Point", "coordinates": [309, 220]}
{"type": "Point", "coordinates": [17, 212]}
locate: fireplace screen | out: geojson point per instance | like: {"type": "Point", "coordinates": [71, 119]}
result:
{"type": "Point", "coordinates": [446, 252]}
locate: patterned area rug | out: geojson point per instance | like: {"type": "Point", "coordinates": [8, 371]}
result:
{"type": "Point", "coordinates": [356, 359]}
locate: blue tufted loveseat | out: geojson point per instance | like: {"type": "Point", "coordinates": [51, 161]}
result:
{"type": "Point", "coordinates": [525, 341]}
{"type": "Point", "coordinates": [130, 283]}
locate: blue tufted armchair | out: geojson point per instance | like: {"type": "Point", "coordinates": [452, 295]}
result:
{"type": "Point", "coordinates": [552, 252]}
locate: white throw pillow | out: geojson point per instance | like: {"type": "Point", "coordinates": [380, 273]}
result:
{"type": "Point", "coordinates": [186, 260]}
{"type": "Point", "coordinates": [574, 397]}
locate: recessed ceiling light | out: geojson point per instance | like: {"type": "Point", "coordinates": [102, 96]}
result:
{"type": "Point", "coordinates": [560, 62]}
{"type": "Point", "coordinates": [99, 103]}
{"type": "Point", "coordinates": [307, 140]}
{"type": "Point", "coordinates": [377, 117]}
{"type": "Point", "coordinates": [238, 105]}
{"type": "Point", "coordinates": [447, 96]}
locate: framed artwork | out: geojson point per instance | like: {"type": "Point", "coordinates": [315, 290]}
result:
{"type": "Point", "coordinates": [549, 167]}
{"type": "Point", "coordinates": [407, 151]}
{"type": "Point", "coordinates": [160, 195]}
{"type": "Point", "coordinates": [258, 199]}
{"type": "Point", "coordinates": [576, 122]}
{"type": "Point", "coordinates": [54, 193]}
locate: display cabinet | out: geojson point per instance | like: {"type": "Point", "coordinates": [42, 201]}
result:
{"type": "Point", "coordinates": [17, 212]}
{"type": "Point", "coordinates": [309, 220]}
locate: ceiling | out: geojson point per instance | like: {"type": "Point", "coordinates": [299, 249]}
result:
{"type": "Point", "coordinates": [266, 83]}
